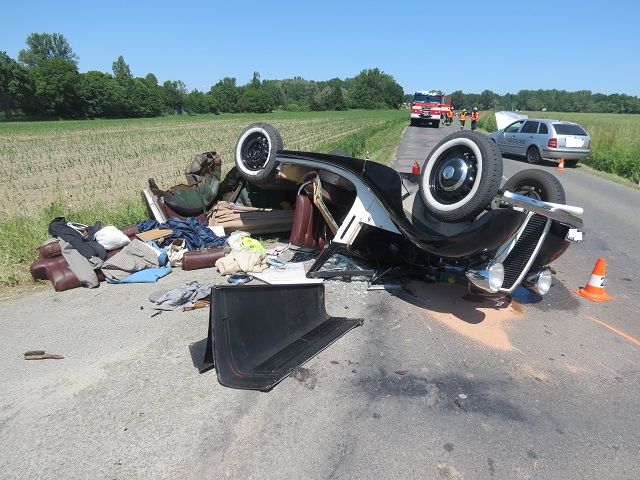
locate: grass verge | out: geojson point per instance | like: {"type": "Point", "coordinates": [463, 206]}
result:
{"type": "Point", "coordinates": [377, 142]}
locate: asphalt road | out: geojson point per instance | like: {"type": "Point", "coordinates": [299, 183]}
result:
{"type": "Point", "coordinates": [434, 385]}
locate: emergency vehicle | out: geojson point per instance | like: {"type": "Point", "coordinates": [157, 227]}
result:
{"type": "Point", "coordinates": [429, 107]}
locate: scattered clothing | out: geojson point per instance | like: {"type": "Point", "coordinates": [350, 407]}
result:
{"type": "Point", "coordinates": [195, 234]}
{"type": "Point", "coordinates": [252, 244]}
{"type": "Point", "coordinates": [244, 262]}
{"type": "Point", "coordinates": [148, 275]}
{"type": "Point", "coordinates": [134, 257]}
{"type": "Point", "coordinates": [235, 240]}
{"type": "Point", "coordinates": [83, 268]}
{"type": "Point", "coordinates": [83, 243]}
{"type": "Point", "coordinates": [184, 297]}
{"type": "Point", "coordinates": [278, 249]}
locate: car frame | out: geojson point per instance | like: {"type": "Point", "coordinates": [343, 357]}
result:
{"type": "Point", "coordinates": [455, 221]}
{"type": "Point", "coordinates": [538, 138]}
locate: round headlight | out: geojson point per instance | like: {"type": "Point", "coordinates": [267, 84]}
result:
{"type": "Point", "coordinates": [496, 277]}
{"type": "Point", "coordinates": [544, 282]}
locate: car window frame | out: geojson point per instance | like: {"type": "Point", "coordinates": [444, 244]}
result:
{"type": "Point", "coordinates": [546, 132]}
{"type": "Point", "coordinates": [536, 122]}
{"type": "Point", "coordinates": [506, 129]}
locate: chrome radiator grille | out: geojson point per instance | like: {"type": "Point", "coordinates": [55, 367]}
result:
{"type": "Point", "coordinates": [525, 247]}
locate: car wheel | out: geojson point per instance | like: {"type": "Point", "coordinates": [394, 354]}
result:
{"type": "Point", "coordinates": [460, 176]}
{"type": "Point", "coordinates": [533, 155]}
{"type": "Point", "coordinates": [571, 163]}
{"type": "Point", "coordinates": [538, 184]}
{"type": "Point", "coordinates": [436, 124]}
{"type": "Point", "coordinates": [256, 152]}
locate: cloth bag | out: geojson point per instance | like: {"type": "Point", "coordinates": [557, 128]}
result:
{"type": "Point", "coordinates": [177, 249]}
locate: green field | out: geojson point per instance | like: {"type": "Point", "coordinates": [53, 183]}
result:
{"type": "Point", "coordinates": [615, 139]}
{"type": "Point", "coordinates": [95, 170]}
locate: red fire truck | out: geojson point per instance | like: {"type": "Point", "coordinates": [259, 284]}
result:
{"type": "Point", "coordinates": [429, 107]}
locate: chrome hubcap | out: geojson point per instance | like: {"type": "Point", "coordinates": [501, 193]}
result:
{"type": "Point", "coordinates": [453, 176]}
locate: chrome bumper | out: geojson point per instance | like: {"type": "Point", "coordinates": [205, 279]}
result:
{"type": "Point", "coordinates": [542, 208]}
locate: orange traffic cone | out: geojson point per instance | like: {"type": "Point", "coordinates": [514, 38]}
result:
{"type": "Point", "coordinates": [594, 289]}
{"type": "Point", "coordinates": [560, 167]}
{"type": "Point", "coordinates": [415, 169]}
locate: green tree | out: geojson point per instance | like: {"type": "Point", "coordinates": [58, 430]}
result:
{"type": "Point", "coordinates": [254, 101]}
{"type": "Point", "coordinates": [144, 100]}
{"type": "Point", "coordinates": [199, 102]}
{"type": "Point", "coordinates": [173, 93]}
{"type": "Point", "coordinates": [55, 88]}
{"type": "Point", "coordinates": [43, 46]}
{"type": "Point", "coordinates": [255, 80]}
{"type": "Point", "coordinates": [226, 95]}
{"type": "Point", "coordinates": [16, 87]}
{"type": "Point", "coordinates": [101, 95]}
{"type": "Point", "coordinates": [121, 70]}
{"type": "Point", "coordinates": [375, 89]}
{"type": "Point", "coordinates": [151, 79]}
{"type": "Point", "coordinates": [336, 100]}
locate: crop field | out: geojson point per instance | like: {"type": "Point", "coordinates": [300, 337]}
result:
{"type": "Point", "coordinates": [75, 162]}
{"type": "Point", "coordinates": [95, 170]}
{"type": "Point", "coordinates": [615, 139]}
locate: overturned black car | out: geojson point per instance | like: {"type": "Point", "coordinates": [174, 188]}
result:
{"type": "Point", "coordinates": [455, 220]}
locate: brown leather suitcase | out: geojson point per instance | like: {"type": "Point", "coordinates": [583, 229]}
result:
{"type": "Point", "coordinates": [198, 259]}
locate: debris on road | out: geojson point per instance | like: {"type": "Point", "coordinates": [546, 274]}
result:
{"type": "Point", "coordinates": [41, 355]}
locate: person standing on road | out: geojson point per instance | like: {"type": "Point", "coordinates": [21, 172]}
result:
{"type": "Point", "coordinates": [474, 118]}
{"type": "Point", "coordinates": [463, 118]}
{"type": "Point", "coordinates": [449, 118]}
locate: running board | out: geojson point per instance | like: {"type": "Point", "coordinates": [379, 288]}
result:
{"type": "Point", "coordinates": [259, 334]}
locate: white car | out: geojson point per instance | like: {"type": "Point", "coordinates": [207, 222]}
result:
{"type": "Point", "coordinates": [536, 139]}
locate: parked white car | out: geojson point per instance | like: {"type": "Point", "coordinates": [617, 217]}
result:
{"type": "Point", "coordinates": [536, 139]}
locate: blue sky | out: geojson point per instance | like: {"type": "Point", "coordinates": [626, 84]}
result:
{"type": "Point", "coordinates": [469, 46]}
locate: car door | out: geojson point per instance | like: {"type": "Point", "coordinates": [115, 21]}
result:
{"type": "Point", "coordinates": [507, 138]}
{"type": "Point", "coordinates": [525, 137]}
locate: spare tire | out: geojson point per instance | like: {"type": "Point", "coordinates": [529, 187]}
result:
{"type": "Point", "coordinates": [256, 152]}
{"type": "Point", "coordinates": [461, 176]}
{"type": "Point", "coordinates": [538, 184]}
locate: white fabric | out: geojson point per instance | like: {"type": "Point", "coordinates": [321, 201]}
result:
{"type": "Point", "coordinates": [111, 238]}
{"type": "Point", "coordinates": [235, 240]}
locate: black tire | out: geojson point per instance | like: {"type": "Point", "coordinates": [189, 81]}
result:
{"type": "Point", "coordinates": [461, 176]}
{"type": "Point", "coordinates": [533, 155]}
{"type": "Point", "coordinates": [256, 152]}
{"type": "Point", "coordinates": [413, 122]}
{"type": "Point", "coordinates": [538, 184]}
{"type": "Point", "coordinates": [436, 124]}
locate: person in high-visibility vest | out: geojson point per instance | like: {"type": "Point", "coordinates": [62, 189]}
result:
{"type": "Point", "coordinates": [474, 118]}
{"type": "Point", "coordinates": [449, 117]}
{"type": "Point", "coordinates": [463, 118]}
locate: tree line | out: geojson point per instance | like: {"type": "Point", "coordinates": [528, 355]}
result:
{"type": "Point", "coordinates": [551, 100]}
{"type": "Point", "coordinates": [44, 82]}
